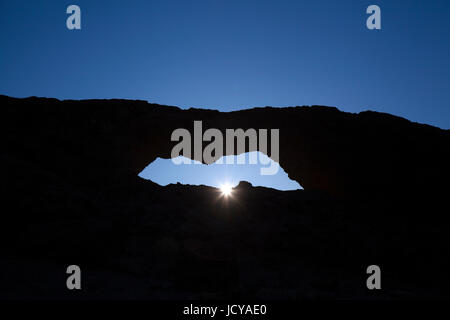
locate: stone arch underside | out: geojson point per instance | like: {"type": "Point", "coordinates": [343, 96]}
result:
{"type": "Point", "coordinates": [322, 148]}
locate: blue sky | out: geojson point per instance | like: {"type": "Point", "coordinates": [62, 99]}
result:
{"type": "Point", "coordinates": [218, 174]}
{"type": "Point", "coordinates": [233, 54]}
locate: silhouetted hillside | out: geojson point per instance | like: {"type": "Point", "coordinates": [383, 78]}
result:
{"type": "Point", "coordinates": [375, 193]}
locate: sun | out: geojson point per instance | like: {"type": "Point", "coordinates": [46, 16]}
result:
{"type": "Point", "coordinates": [226, 189]}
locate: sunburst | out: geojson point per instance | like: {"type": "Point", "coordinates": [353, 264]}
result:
{"type": "Point", "coordinates": [226, 189]}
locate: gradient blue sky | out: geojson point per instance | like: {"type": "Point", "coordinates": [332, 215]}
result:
{"type": "Point", "coordinates": [233, 54]}
{"type": "Point", "coordinates": [218, 174]}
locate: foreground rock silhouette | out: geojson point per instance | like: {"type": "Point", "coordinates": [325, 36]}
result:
{"type": "Point", "coordinates": [375, 193]}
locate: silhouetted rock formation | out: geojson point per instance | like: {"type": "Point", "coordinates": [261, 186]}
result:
{"type": "Point", "coordinates": [243, 185]}
{"type": "Point", "coordinates": [374, 194]}
{"type": "Point", "coordinates": [320, 147]}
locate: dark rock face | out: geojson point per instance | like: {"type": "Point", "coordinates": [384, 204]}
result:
{"type": "Point", "coordinates": [374, 194]}
{"type": "Point", "coordinates": [320, 147]}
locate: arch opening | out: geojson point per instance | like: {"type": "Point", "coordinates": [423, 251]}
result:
{"type": "Point", "coordinates": [227, 170]}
